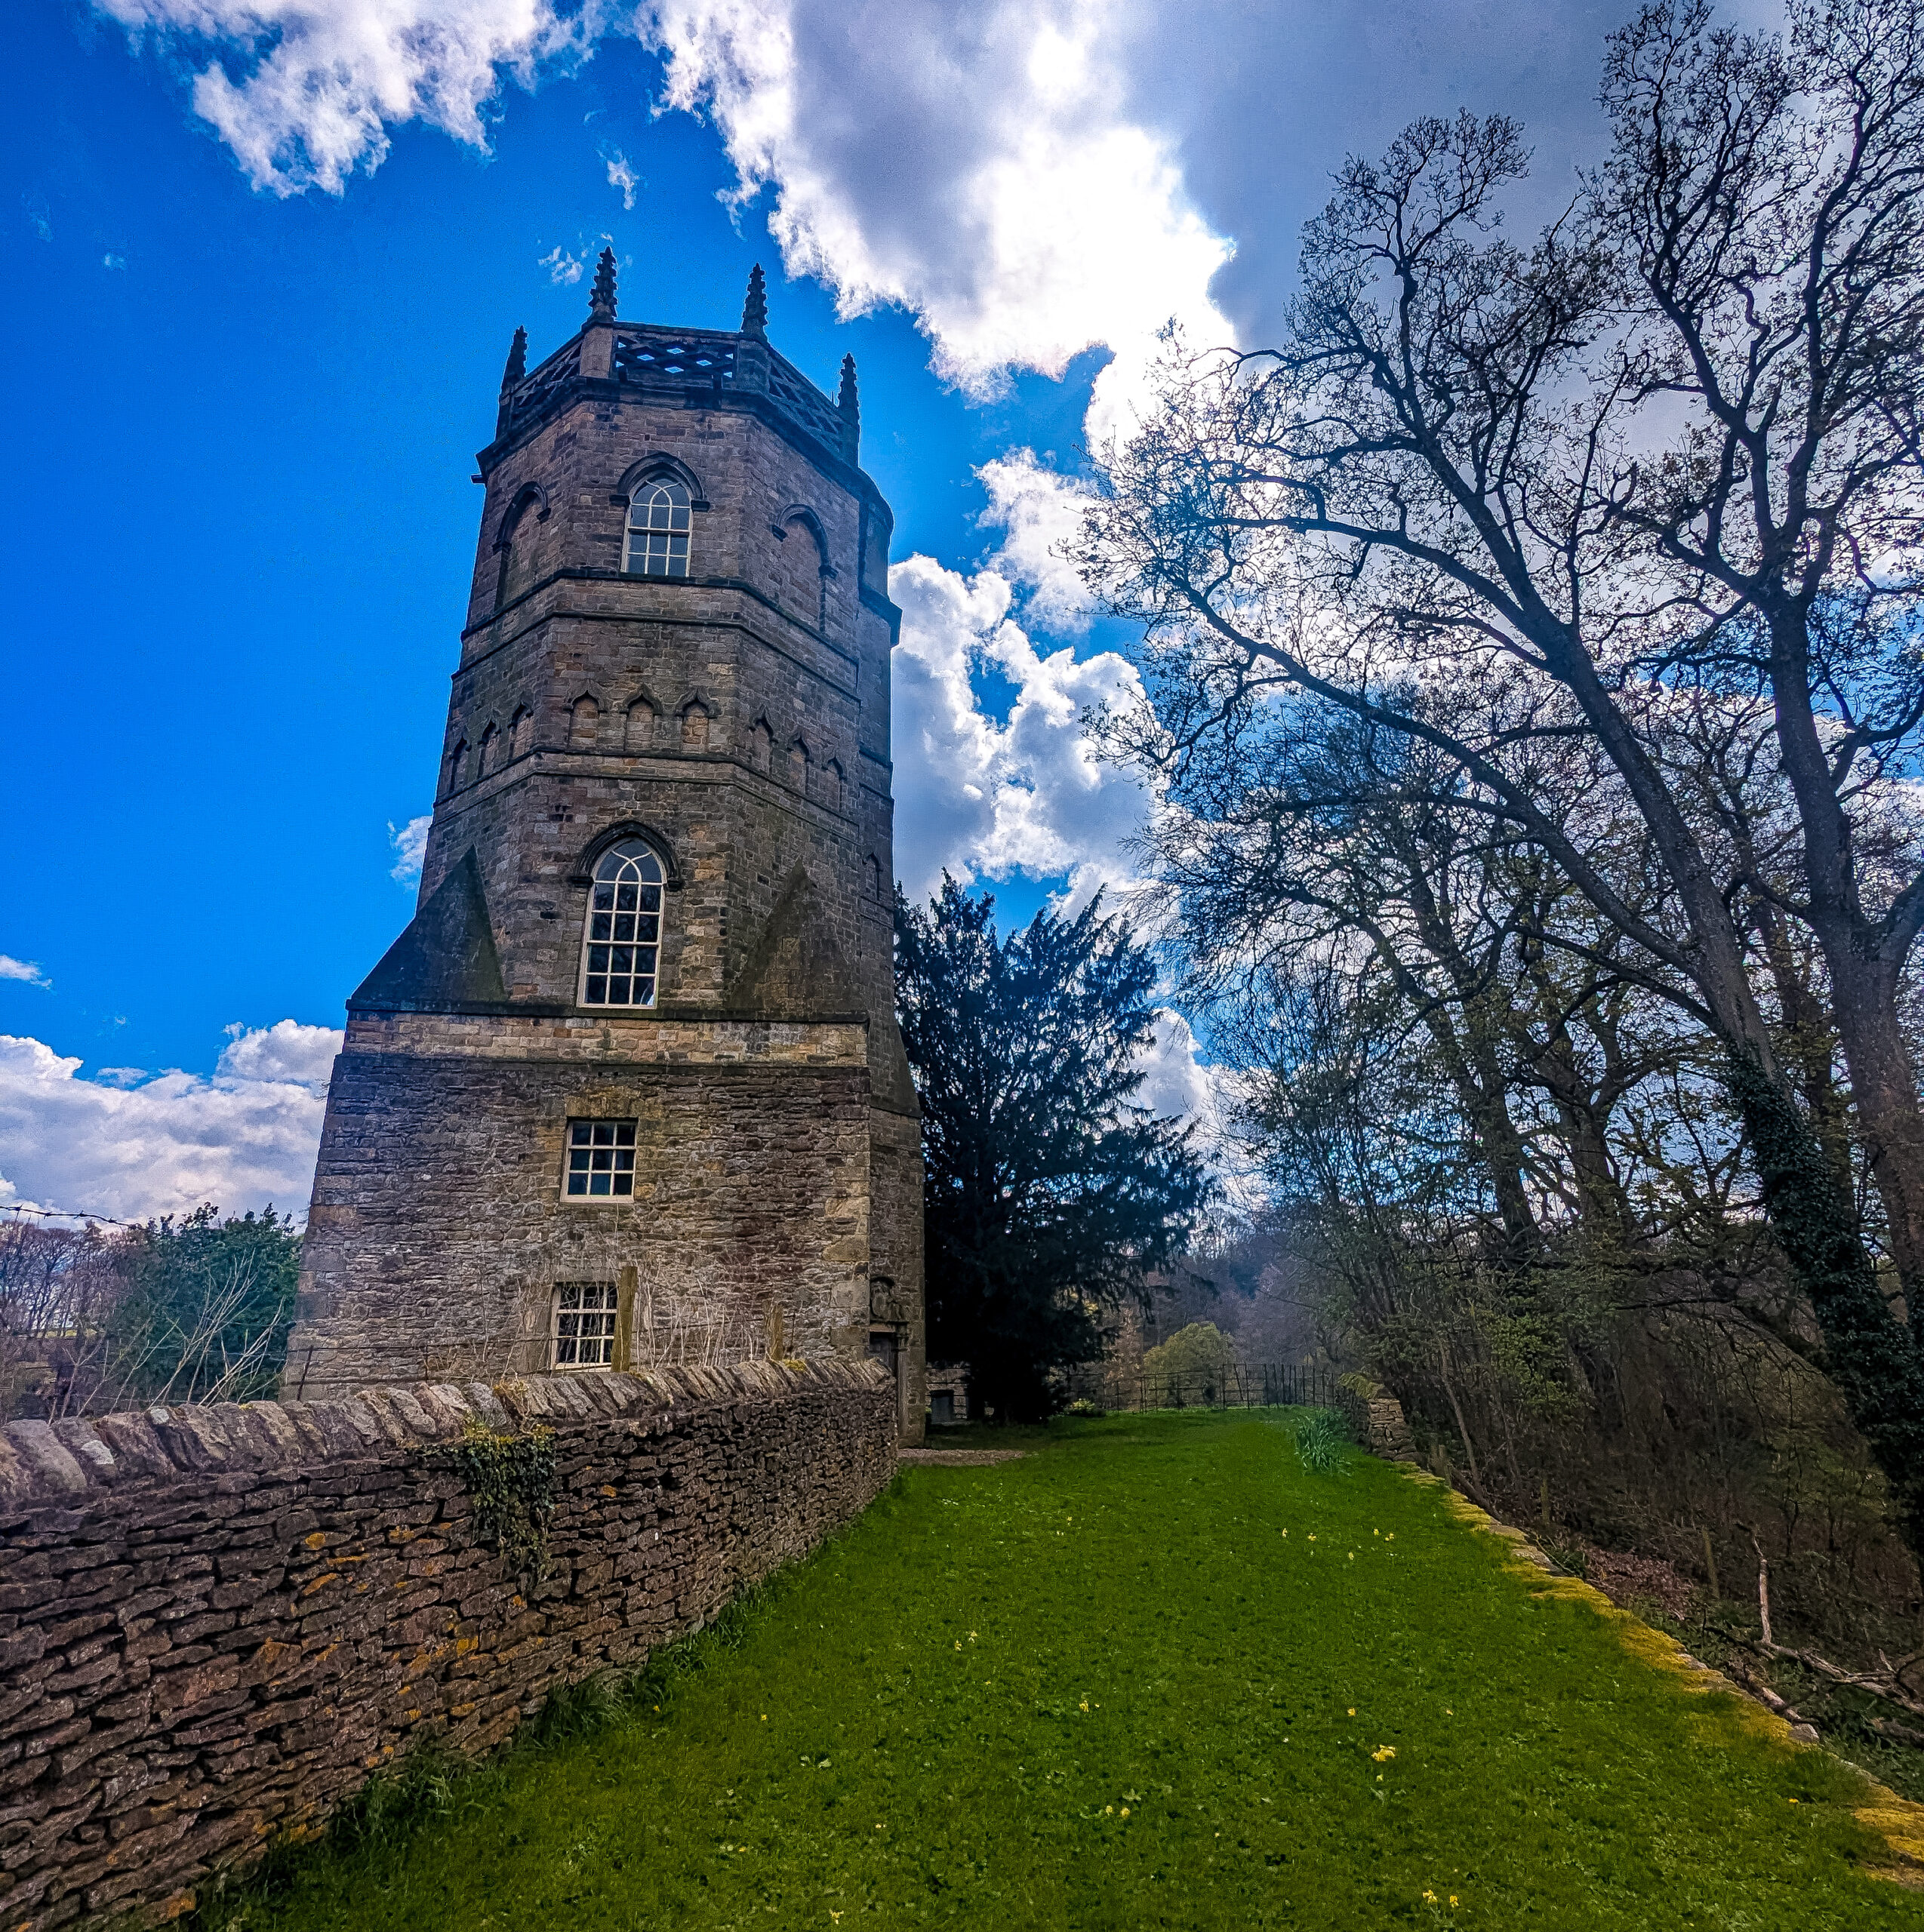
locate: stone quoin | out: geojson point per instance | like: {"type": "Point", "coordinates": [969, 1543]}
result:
{"type": "Point", "coordinates": [629, 1089]}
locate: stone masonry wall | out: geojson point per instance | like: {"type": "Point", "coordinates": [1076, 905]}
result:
{"type": "Point", "coordinates": [439, 1229]}
{"type": "Point", "coordinates": [215, 1623]}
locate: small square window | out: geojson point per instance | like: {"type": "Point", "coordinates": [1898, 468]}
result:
{"type": "Point", "coordinates": [601, 1160]}
{"type": "Point", "coordinates": [584, 1324]}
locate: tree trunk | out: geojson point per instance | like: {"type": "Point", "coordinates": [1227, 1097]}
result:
{"type": "Point", "coordinates": [1884, 1087]}
{"type": "Point", "coordinates": [1868, 1353]}
{"type": "Point", "coordinates": [1862, 961]}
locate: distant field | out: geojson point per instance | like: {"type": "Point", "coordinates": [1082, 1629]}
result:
{"type": "Point", "coordinates": [1155, 1674]}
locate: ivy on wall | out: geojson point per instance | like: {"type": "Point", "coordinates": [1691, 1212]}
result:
{"type": "Point", "coordinates": [510, 1475]}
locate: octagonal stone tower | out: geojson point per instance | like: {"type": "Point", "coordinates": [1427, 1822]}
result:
{"type": "Point", "coordinates": [628, 1089]}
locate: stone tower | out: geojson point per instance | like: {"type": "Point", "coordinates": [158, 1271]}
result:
{"type": "Point", "coordinates": [628, 1089]}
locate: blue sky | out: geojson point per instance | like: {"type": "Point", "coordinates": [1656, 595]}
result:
{"type": "Point", "coordinates": [250, 364]}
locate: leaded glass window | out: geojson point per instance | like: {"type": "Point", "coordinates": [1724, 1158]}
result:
{"type": "Point", "coordinates": [657, 542]}
{"type": "Point", "coordinates": [600, 1160]}
{"type": "Point", "coordinates": [623, 940]}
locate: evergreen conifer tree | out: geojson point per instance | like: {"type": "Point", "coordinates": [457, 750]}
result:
{"type": "Point", "coordinates": [1049, 1193]}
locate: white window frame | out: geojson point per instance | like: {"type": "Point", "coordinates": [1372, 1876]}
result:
{"type": "Point", "coordinates": [596, 1150]}
{"type": "Point", "coordinates": [655, 543]}
{"type": "Point", "coordinates": [621, 942]}
{"type": "Point", "coordinates": [581, 1330]}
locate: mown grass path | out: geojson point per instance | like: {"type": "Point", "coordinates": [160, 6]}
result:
{"type": "Point", "coordinates": [1149, 1675]}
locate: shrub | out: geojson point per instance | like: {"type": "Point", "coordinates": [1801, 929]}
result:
{"type": "Point", "coordinates": [1194, 1365]}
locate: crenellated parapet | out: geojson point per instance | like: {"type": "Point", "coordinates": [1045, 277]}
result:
{"type": "Point", "coordinates": [706, 368]}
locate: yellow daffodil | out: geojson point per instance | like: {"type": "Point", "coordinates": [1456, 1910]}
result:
{"type": "Point", "coordinates": [1429, 1898]}
{"type": "Point", "coordinates": [1353, 1710]}
{"type": "Point", "coordinates": [1125, 1810]}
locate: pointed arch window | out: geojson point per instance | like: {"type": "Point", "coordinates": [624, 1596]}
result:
{"type": "Point", "coordinates": [658, 519]}
{"type": "Point", "coordinates": [622, 945]}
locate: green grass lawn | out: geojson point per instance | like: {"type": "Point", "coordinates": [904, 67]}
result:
{"type": "Point", "coordinates": [1155, 1674]}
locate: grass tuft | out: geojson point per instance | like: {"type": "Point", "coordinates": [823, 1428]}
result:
{"type": "Point", "coordinates": [1322, 1443]}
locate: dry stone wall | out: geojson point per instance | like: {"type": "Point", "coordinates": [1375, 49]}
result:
{"type": "Point", "coordinates": [215, 1623]}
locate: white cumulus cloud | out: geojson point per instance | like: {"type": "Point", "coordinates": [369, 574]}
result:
{"type": "Point", "coordinates": [1038, 512]}
{"type": "Point", "coordinates": [287, 1052]}
{"type": "Point", "coordinates": [322, 82]}
{"type": "Point", "coordinates": [979, 165]}
{"type": "Point", "coordinates": [128, 1147]}
{"type": "Point", "coordinates": [982, 164]}
{"type": "Point", "coordinates": [985, 799]}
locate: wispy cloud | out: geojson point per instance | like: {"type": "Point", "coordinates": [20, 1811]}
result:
{"type": "Point", "coordinates": [564, 269]}
{"type": "Point", "coordinates": [23, 969]}
{"type": "Point", "coordinates": [621, 174]}
{"type": "Point", "coordinates": [410, 843]}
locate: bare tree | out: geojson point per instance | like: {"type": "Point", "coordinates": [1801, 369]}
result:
{"type": "Point", "coordinates": [1444, 474]}
{"type": "Point", "coordinates": [1765, 200]}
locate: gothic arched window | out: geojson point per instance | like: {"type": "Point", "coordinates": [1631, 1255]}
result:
{"type": "Point", "coordinates": [657, 542]}
{"type": "Point", "coordinates": [619, 949]}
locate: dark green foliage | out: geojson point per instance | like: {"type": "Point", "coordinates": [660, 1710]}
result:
{"type": "Point", "coordinates": [1049, 1193]}
{"type": "Point", "coordinates": [207, 1309]}
{"type": "Point", "coordinates": [510, 1475]}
